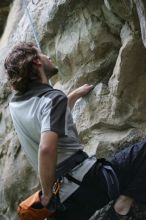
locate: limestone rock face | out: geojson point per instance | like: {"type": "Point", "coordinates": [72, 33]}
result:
{"type": "Point", "coordinates": [4, 10]}
{"type": "Point", "coordinates": [95, 42]}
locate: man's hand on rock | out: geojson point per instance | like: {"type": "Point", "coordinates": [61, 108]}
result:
{"type": "Point", "coordinates": [83, 90]}
{"type": "Point", "coordinates": [78, 93]}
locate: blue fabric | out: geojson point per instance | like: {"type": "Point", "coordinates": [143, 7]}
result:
{"type": "Point", "coordinates": [130, 167]}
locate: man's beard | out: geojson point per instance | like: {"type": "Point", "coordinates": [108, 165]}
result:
{"type": "Point", "coordinates": [51, 72]}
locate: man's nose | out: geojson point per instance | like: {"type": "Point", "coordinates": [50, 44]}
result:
{"type": "Point", "coordinates": [49, 58]}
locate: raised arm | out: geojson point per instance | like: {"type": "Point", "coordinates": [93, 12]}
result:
{"type": "Point", "coordinates": [78, 93]}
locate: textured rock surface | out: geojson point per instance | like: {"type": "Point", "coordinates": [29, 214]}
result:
{"type": "Point", "coordinates": [141, 10]}
{"type": "Point", "coordinates": [4, 10]}
{"type": "Point", "coordinates": [96, 42]}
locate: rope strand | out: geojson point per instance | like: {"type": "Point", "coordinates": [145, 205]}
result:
{"type": "Point", "coordinates": [32, 25]}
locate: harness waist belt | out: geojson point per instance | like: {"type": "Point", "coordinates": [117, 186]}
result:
{"type": "Point", "coordinates": [67, 165]}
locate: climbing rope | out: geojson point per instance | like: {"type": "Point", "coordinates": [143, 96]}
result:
{"type": "Point", "coordinates": [35, 2]}
{"type": "Point", "coordinates": [33, 28]}
{"type": "Point", "coordinates": [32, 25]}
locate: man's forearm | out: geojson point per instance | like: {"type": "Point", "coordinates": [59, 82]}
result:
{"type": "Point", "coordinates": [47, 164]}
{"type": "Point", "coordinates": [47, 167]}
{"type": "Point", "coordinates": [72, 98]}
{"type": "Point", "coordinates": [78, 93]}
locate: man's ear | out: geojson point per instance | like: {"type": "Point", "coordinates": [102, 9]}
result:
{"type": "Point", "coordinates": [37, 61]}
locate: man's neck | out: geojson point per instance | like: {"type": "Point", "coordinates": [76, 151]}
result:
{"type": "Point", "coordinates": [43, 78]}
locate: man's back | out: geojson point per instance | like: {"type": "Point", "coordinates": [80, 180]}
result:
{"type": "Point", "coordinates": [42, 109]}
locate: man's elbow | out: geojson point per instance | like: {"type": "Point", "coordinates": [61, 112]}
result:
{"type": "Point", "coordinates": [47, 149]}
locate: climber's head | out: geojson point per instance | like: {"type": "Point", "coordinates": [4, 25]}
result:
{"type": "Point", "coordinates": [26, 64]}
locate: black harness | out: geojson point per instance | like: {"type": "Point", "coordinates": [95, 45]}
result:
{"type": "Point", "coordinates": [103, 166]}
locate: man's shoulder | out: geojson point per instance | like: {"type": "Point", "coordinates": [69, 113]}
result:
{"type": "Point", "coordinates": [55, 94]}
{"type": "Point", "coordinates": [39, 91]}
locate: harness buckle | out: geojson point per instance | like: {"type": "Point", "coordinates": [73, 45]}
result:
{"type": "Point", "coordinates": [56, 187]}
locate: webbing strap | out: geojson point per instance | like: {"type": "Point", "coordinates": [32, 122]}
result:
{"type": "Point", "coordinates": [111, 181]}
{"type": "Point", "coordinates": [72, 179]}
{"type": "Point", "coordinates": [67, 165]}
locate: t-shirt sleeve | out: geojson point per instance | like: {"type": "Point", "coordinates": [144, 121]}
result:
{"type": "Point", "coordinates": [53, 116]}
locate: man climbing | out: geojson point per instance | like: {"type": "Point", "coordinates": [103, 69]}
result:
{"type": "Point", "coordinates": [48, 136]}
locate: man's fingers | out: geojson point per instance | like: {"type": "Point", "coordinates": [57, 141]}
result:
{"type": "Point", "coordinates": [91, 86]}
{"type": "Point", "coordinates": [85, 89]}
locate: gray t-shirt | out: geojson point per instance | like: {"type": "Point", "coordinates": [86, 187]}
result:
{"type": "Point", "coordinates": [43, 109]}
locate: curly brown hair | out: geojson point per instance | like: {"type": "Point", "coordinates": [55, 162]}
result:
{"type": "Point", "coordinates": [19, 67]}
